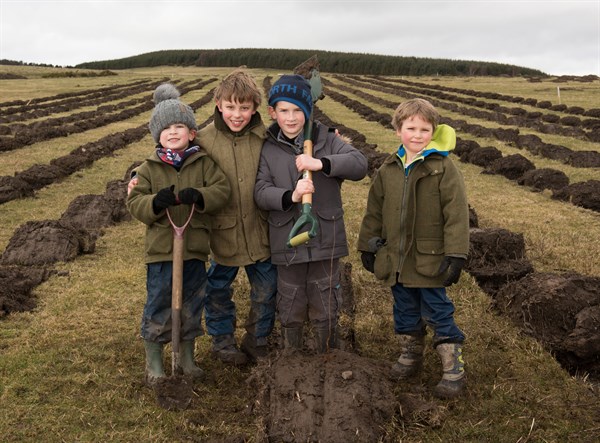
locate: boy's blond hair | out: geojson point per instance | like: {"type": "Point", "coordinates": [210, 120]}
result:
{"type": "Point", "coordinates": [412, 107]}
{"type": "Point", "coordinates": [238, 86]}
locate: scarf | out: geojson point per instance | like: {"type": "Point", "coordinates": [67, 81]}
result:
{"type": "Point", "coordinates": [175, 158]}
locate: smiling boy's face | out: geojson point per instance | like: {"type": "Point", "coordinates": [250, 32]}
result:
{"type": "Point", "coordinates": [289, 117]}
{"type": "Point", "coordinates": [176, 137]}
{"type": "Point", "coordinates": [236, 114]}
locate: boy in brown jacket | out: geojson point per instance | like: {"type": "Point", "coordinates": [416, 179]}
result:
{"type": "Point", "coordinates": [239, 236]}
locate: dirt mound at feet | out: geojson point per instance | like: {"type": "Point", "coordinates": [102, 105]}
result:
{"type": "Point", "coordinates": [338, 396]}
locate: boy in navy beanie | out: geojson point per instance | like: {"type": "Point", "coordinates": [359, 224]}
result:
{"type": "Point", "coordinates": [308, 275]}
{"type": "Point", "coordinates": [294, 89]}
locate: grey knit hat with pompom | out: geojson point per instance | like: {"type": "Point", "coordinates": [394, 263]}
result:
{"type": "Point", "coordinates": [169, 110]}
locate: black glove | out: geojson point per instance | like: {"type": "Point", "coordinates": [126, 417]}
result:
{"type": "Point", "coordinates": [163, 199]}
{"type": "Point", "coordinates": [368, 261]}
{"type": "Point", "coordinates": [189, 196]}
{"type": "Point", "coordinates": [453, 265]}
{"type": "Point", "coordinates": [375, 243]}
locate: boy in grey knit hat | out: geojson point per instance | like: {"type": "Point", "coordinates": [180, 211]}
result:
{"type": "Point", "coordinates": [168, 110]}
{"type": "Point", "coordinates": [239, 235]}
{"type": "Point", "coordinates": [177, 178]}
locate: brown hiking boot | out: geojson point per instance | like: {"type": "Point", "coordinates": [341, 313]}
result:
{"type": "Point", "coordinates": [255, 347]}
{"type": "Point", "coordinates": [453, 379]}
{"type": "Point", "coordinates": [410, 362]}
{"type": "Point", "coordinates": [225, 349]}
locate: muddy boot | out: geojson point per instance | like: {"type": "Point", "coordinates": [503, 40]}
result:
{"type": "Point", "coordinates": [410, 361]}
{"type": "Point", "coordinates": [154, 362]}
{"type": "Point", "coordinates": [325, 339]}
{"type": "Point", "coordinates": [453, 380]}
{"type": "Point", "coordinates": [254, 347]}
{"type": "Point", "coordinates": [292, 337]}
{"type": "Point", "coordinates": [186, 360]}
{"type": "Point", "coordinates": [225, 349]}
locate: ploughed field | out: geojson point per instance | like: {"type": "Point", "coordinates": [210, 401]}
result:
{"type": "Point", "coordinates": [72, 281]}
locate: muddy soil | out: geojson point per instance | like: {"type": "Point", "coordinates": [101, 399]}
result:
{"type": "Point", "coordinates": [562, 311]}
{"type": "Point", "coordinates": [36, 246]}
{"type": "Point", "coordinates": [338, 396]}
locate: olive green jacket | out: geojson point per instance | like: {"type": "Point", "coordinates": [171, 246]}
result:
{"type": "Point", "coordinates": [422, 216]}
{"type": "Point", "coordinates": [198, 171]}
{"type": "Point", "coordinates": [240, 231]}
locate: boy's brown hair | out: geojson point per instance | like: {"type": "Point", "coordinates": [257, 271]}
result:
{"type": "Point", "coordinates": [412, 107]}
{"type": "Point", "coordinates": [239, 86]}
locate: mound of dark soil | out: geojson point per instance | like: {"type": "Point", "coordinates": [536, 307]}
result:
{"type": "Point", "coordinates": [512, 166]}
{"type": "Point", "coordinates": [16, 284]}
{"type": "Point", "coordinates": [585, 194]}
{"type": "Point", "coordinates": [45, 242]}
{"type": "Point", "coordinates": [496, 257]}
{"type": "Point", "coordinates": [94, 212]}
{"type": "Point", "coordinates": [545, 178]}
{"type": "Point", "coordinates": [12, 188]}
{"type": "Point", "coordinates": [560, 311]}
{"type": "Point", "coordinates": [482, 156]}
{"type": "Point", "coordinates": [333, 397]}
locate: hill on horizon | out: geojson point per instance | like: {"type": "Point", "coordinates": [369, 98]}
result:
{"type": "Point", "coordinates": [335, 62]}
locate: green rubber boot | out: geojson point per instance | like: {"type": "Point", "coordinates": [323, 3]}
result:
{"type": "Point", "coordinates": [186, 360]}
{"type": "Point", "coordinates": [154, 363]}
{"type": "Point", "coordinates": [453, 379]}
{"type": "Point", "coordinates": [410, 362]}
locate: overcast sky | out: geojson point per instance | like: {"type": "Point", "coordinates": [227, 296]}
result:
{"type": "Point", "coordinates": [556, 37]}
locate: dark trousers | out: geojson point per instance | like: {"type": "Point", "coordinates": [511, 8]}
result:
{"type": "Point", "coordinates": [309, 291]}
{"type": "Point", "coordinates": [156, 319]}
{"type": "Point", "coordinates": [416, 307]}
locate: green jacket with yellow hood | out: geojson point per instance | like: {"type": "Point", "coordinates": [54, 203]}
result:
{"type": "Point", "coordinates": [421, 212]}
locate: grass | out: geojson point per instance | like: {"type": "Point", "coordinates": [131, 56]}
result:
{"type": "Point", "coordinates": [71, 370]}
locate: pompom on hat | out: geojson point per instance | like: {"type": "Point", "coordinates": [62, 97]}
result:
{"type": "Point", "coordinates": [169, 110]}
{"type": "Point", "coordinates": [294, 89]}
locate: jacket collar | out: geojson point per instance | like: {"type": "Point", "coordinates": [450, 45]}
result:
{"type": "Point", "coordinates": [442, 142]}
{"type": "Point", "coordinates": [274, 132]}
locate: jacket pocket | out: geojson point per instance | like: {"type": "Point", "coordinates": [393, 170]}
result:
{"type": "Point", "coordinates": [330, 303]}
{"type": "Point", "coordinates": [331, 227]}
{"type": "Point", "coordinates": [280, 226]}
{"type": "Point", "coordinates": [159, 239]}
{"type": "Point", "coordinates": [288, 309]}
{"type": "Point", "coordinates": [383, 264]}
{"type": "Point", "coordinates": [430, 252]}
{"type": "Point", "coordinates": [197, 236]}
{"type": "Point", "coordinates": [223, 239]}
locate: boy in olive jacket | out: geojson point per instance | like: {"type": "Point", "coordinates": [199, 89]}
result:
{"type": "Point", "coordinates": [415, 237]}
{"type": "Point", "coordinates": [239, 236]}
{"type": "Point", "coordinates": [176, 176]}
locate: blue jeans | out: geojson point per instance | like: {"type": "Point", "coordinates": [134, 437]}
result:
{"type": "Point", "coordinates": [416, 307]}
{"type": "Point", "coordinates": [156, 319]}
{"type": "Point", "coordinates": [220, 307]}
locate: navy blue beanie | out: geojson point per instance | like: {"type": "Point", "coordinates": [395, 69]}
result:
{"type": "Point", "coordinates": [294, 89]}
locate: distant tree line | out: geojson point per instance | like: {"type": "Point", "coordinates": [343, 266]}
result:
{"type": "Point", "coordinates": [334, 62]}
{"type": "Point", "coordinates": [20, 63]}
